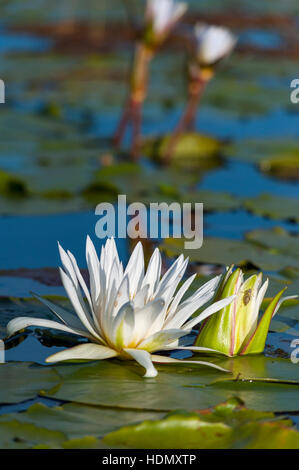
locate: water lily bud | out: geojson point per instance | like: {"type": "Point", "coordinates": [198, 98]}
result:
{"type": "Point", "coordinates": [161, 16]}
{"type": "Point", "coordinates": [213, 44]}
{"type": "Point", "coordinates": [236, 329]}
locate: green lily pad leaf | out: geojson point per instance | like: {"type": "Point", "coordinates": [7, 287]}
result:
{"type": "Point", "coordinates": [225, 252]}
{"type": "Point", "coordinates": [277, 239]}
{"type": "Point", "coordinates": [259, 368]}
{"type": "Point", "coordinates": [259, 150]}
{"type": "Point", "coordinates": [24, 381]}
{"type": "Point", "coordinates": [190, 149]}
{"type": "Point", "coordinates": [263, 396]}
{"type": "Point", "coordinates": [274, 207]}
{"type": "Point", "coordinates": [78, 421]}
{"type": "Point", "coordinates": [12, 186]}
{"type": "Point", "coordinates": [212, 200]}
{"type": "Point", "coordinates": [173, 432]}
{"type": "Point", "coordinates": [16, 435]}
{"type": "Point", "coordinates": [173, 388]}
{"type": "Point", "coordinates": [229, 425]}
{"type": "Point", "coordinates": [88, 442]}
{"type": "Point", "coordinates": [42, 205]}
{"type": "Point", "coordinates": [149, 185]}
{"type": "Point", "coordinates": [284, 167]}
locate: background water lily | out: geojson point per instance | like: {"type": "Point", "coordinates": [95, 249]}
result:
{"type": "Point", "coordinates": [161, 15]}
{"type": "Point", "coordinates": [127, 313]}
{"type": "Point", "coordinates": [213, 43]}
{"type": "Point", "coordinates": [236, 329]}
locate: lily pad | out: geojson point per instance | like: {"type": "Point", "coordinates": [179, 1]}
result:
{"type": "Point", "coordinates": [212, 200]}
{"type": "Point", "coordinates": [17, 435]}
{"type": "Point", "coordinates": [274, 207]}
{"type": "Point", "coordinates": [259, 150]}
{"type": "Point", "coordinates": [259, 368]}
{"type": "Point", "coordinates": [229, 425]}
{"type": "Point", "coordinates": [277, 239]}
{"type": "Point", "coordinates": [78, 421]}
{"type": "Point", "coordinates": [225, 252]}
{"type": "Point", "coordinates": [11, 185]}
{"type": "Point", "coordinates": [284, 167]}
{"type": "Point", "coordinates": [190, 149]}
{"type": "Point", "coordinates": [98, 384]}
{"type": "Point", "coordinates": [23, 381]}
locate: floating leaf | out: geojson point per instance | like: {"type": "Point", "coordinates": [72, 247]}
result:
{"type": "Point", "coordinates": [225, 252]}
{"type": "Point", "coordinates": [23, 381]}
{"type": "Point", "coordinates": [212, 200]}
{"type": "Point", "coordinates": [229, 425]}
{"type": "Point", "coordinates": [285, 167]}
{"type": "Point", "coordinates": [17, 435]}
{"type": "Point", "coordinates": [77, 421]}
{"type": "Point", "coordinates": [190, 149]}
{"type": "Point", "coordinates": [274, 207]}
{"type": "Point", "coordinates": [98, 384]}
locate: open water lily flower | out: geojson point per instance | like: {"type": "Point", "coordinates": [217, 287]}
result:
{"type": "Point", "coordinates": [127, 313]}
{"type": "Point", "coordinates": [237, 329]}
{"type": "Point", "coordinates": [161, 15]}
{"type": "Point", "coordinates": [213, 44]}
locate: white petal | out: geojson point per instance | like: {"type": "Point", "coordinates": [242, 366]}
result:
{"type": "Point", "coordinates": [153, 273]}
{"type": "Point", "coordinates": [161, 339]}
{"type": "Point", "coordinates": [194, 348]}
{"type": "Point", "coordinates": [209, 287]}
{"type": "Point", "coordinates": [93, 269]}
{"type": "Point", "coordinates": [281, 301]}
{"type": "Point", "coordinates": [141, 297]}
{"type": "Point", "coordinates": [66, 317]}
{"type": "Point", "coordinates": [187, 309]}
{"type": "Point", "coordinates": [144, 359]}
{"type": "Point", "coordinates": [179, 295]}
{"type": "Point", "coordinates": [123, 326]}
{"type": "Point", "coordinates": [215, 307]}
{"type": "Point", "coordinates": [80, 279]}
{"type": "Point", "coordinates": [257, 304]}
{"type": "Point", "coordinates": [20, 323]}
{"type": "Point", "coordinates": [135, 269]}
{"type": "Point", "coordinates": [67, 265]}
{"type": "Point", "coordinates": [214, 43]}
{"type": "Point", "coordinates": [169, 276]}
{"type": "Point", "coordinates": [78, 304]}
{"type": "Point", "coordinates": [171, 360]}
{"type": "Point", "coordinates": [83, 351]}
{"type": "Point", "coordinates": [146, 317]}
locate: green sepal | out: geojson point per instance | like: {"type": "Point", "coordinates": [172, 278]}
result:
{"type": "Point", "coordinates": [256, 343]}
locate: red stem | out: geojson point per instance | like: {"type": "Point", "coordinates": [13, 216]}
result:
{"type": "Point", "coordinates": [187, 121]}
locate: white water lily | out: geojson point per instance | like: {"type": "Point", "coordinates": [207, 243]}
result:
{"type": "Point", "coordinates": [163, 14]}
{"type": "Point", "coordinates": [126, 313]}
{"type": "Point", "coordinates": [213, 43]}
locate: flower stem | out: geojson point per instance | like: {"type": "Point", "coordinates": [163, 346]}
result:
{"type": "Point", "coordinates": [132, 113]}
{"type": "Point", "coordinates": [187, 121]}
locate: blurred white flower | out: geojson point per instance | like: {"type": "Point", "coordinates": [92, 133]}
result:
{"type": "Point", "coordinates": [162, 14]}
{"type": "Point", "coordinates": [126, 313]}
{"type": "Point", "coordinates": [213, 43]}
